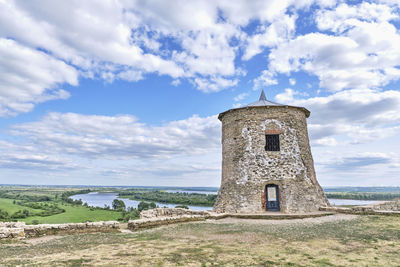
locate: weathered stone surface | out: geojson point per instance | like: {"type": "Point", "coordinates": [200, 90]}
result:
{"type": "Point", "coordinates": [362, 210]}
{"type": "Point", "coordinates": [170, 212]}
{"type": "Point", "coordinates": [247, 168]}
{"type": "Point", "coordinates": [20, 230]}
{"type": "Point", "coordinates": [12, 224]}
{"type": "Point", "coordinates": [158, 221]}
{"type": "Point", "coordinates": [8, 232]}
{"type": "Point", "coordinates": [388, 205]}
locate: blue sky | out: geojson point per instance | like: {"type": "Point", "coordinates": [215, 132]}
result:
{"type": "Point", "coordinates": [128, 92]}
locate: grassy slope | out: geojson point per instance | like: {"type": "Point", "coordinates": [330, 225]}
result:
{"type": "Point", "coordinates": [8, 206]}
{"type": "Point", "coordinates": [366, 241]}
{"type": "Point", "coordinates": [74, 214]}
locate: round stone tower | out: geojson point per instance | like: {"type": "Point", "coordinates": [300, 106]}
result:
{"type": "Point", "coordinates": [266, 161]}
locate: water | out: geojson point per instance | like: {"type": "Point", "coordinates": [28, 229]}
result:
{"type": "Point", "coordinates": [96, 199]}
{"type": "Point", "coordinates": [191, 192]}
{"type": "Point", "coordinates": [337, 202]}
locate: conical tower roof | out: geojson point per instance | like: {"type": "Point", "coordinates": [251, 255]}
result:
{"type": "Point", "coordinates": [264, 102]}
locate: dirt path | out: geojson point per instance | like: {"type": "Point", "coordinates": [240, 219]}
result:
{"type": "Point", "coordinates": [42, 239]}
{"type": "Point", "coordinates": [323, 219]}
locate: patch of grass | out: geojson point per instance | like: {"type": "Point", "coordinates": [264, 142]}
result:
{"type": "Point", "coordinates": [323, 262]}
{"type": "Point", "coordinates": [8, 206]}
{"type": "Point", "coordinates": [76, 214]}
{"type": "Point", "coordinates": [75, 262]}
{"type": "Point", "coordinates": [364, 241]}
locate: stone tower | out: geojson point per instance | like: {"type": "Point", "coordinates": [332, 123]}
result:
{"type": "Point", "coordinates": [266, 161]}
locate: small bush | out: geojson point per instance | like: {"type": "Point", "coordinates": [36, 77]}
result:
{"type": "Point", "coordinates": [182, 207]}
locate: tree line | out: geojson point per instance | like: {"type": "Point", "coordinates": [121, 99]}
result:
{"type": "Point", "coordinates": [168, 197]}
{"type": "Point", "coordinates": [362, 196]}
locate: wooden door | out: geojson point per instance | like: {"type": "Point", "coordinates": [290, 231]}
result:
{"type": "Point", "coordinates": [272, 197]}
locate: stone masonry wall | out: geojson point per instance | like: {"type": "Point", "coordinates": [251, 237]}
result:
{"type": "Point", "coordinates": [170, 212]}
{"type": "Point", "coordinates": [393, 205]}
{"type": "Point", "coordinates": [19, 230]}
{"type": "Point", "coordinates": [247, 168]}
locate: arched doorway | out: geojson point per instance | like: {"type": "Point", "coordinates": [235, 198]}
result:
{"type": "Point", "coordinates": [272, 197]}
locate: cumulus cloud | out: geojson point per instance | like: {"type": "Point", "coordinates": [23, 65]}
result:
{"type": "Point", "coordinates": [29, 76]}
{"type": "Point", "coordinates": [120, 136]}
{"type": "Point", "coordinates": [240, 97]}
{"type": "Point", "coordinates": [196, 40]}
{"type": "Point", "coordinates": [270, 36]}
{"type": "Point", "coordinates": [351, 163]}
{"type": "Point", "coordinates": [362, 52]}
{"type": "Point", "coordinates": [30, 157]}
{"type": "Point", "coordinates": [362, 115]}
{"type": "Point", "coordinates": [266, 78]}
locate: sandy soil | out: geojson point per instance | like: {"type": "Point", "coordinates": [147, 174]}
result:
{"type": "Point", "coordinates": [323, 219]}
{"type": "Point", "coordinates": [336, 240]}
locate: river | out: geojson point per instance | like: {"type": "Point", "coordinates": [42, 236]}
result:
{"type": "Point", "coordinates": [97, 199]}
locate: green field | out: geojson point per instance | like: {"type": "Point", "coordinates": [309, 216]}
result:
{"type": "Point", "coordinates": [8, 206]}
{"type": "Point", "coordinates": [11, 196]}
{"type": "Point", "coordinates": [75, 214]}
{"type": "Point", "coordinates": [72, 213]}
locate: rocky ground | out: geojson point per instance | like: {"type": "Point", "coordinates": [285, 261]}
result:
{"type": "Point", "coordinates": [338, 240]}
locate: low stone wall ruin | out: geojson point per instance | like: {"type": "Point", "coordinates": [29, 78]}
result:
{"type": "Point", "coordinates": [171, 212]}
{"type": "Point", "coordinates": [19, 230]}
{"type": "Point", "coordinates": [165, 216]}
{"type": "Point", "coordinates": [393, 205]}
{"type": "Point", "coordinates": [361, 211]}
{"type": "Point", "coordinates": [135, 225]}
{"type": "Point", "coordinates": [390, 208]}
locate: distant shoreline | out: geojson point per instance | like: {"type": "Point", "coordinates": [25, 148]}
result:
{"type": "Point", "coordinates": [360, 189]}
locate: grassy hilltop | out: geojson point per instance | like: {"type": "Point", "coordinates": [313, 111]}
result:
{"type": "Point", "coordinates": [353, 241]}
{"type": "Point", "coordinates": [48, 205]}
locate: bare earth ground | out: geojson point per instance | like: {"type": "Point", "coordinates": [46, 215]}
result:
{"type": "Point", "coordinates": [338, 240]}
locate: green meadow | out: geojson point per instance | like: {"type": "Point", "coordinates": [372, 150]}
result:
{"type": "Point", "coordinates": [37, 205]}
{"type": "Point", "coordinates": [8, 206]}
{"type": "Point", "coordinates": [76, 214]}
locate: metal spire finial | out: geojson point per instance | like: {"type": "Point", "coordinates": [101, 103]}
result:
{"type": "Point", "coordinates": [262, 96]}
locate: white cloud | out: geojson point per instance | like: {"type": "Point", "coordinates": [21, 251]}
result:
{"type": "Point", "coordinates": [184, 152]}
{"type": "Point", "coordinates": [240, 97]}
{"type": "Point", "coordinates": [325, 141]}
{"type": "Point", "coordinates": [270, 36]}
{"type": "Point", "coordinates": [362, 52]}
{"type": "Point", "coordinates": [29, 77]}
{"type": "Point", "coordinates": [342, 62]}
{"type": "Point", "coordinates": [344, 15]}
{"type": "Point", "coordinates": [287, 96]}
{"type": "Point", "coordinates": [266, 78]}
{"type": "Point", "coordinates": [351, 163]}
{"type": "Point", "coordinates": [120, 136]}
{"type": "Point", "coordinates": [131, 75]}
{"type": "Point", "coordinates": [292, 81]}
{"type": "Point", "coordinates": [214, 84]}
{"type": "Point", "coordinates": [196, 40]}
{"type": "Point", "coordinates": [362, 115]}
